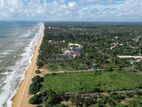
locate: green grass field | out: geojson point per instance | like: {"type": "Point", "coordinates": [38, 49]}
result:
{"type": "Point", "coordinates": [90, 81]}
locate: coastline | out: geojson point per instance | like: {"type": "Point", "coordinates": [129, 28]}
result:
{"type": "Point", "coordinates": [21, 97]}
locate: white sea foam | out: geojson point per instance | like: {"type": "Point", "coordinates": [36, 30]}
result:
{"type": "Point", "coordinates": [10, 50]}
{"type": "Point", "coordinates": [14, 78]}
{"type": "Point", "coordinates": [5, 73]}
{"type": "Point", "coordinates": [5, 53]}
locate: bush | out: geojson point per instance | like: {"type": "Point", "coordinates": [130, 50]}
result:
{"type": "Point", "coordinates": [39, 64]}
{"type": "Point", "coordinates": [53, 98]}
{"type": "Point", "coordinates": [34, 88]}
{"type": "Point", "coordinates": [37, 79]}
{"type": "Point", "coordinates": [57, 105]}
{"type": "Point", "coordinates": [36, 85]}
{"type": "Point", "coordinates": [39, 106]}
{"type": "Point", "coordinates": [36, 99]}
{"type": "Point", "coordinates": [110, 69]}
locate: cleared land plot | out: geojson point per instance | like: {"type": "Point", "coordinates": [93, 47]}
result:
{"type": "Point", "coordinates": [92, 81]}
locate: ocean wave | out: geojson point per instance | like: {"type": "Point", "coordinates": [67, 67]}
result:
{"type": "Point", "coordinates": [14, 78]}
{"type": "Point", "coordinates": [10, 50]}
{"type": "Point", "coordinates": [5, 53]}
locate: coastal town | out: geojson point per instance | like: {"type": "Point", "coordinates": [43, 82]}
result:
{"type": "Point", "coordinates": [70, 53]}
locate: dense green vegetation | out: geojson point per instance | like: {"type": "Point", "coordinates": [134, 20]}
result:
{"type": "Point", "coordinates": [101, 45]}
{"type": "Point", "coordinates": [112, 100]}
{"type": "Point", "coordinates": [98, 72]}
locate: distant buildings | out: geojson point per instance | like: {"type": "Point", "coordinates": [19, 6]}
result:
{"type": "Point", "coordinates": [129, 57]}
{"type": "Point", "coordinates": [71, 52]}
{"type": "Point", "coordinates": [71, 45]}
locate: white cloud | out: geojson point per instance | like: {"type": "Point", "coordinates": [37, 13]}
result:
{"type": "Point", "coordinates": [131, 8]}
{"type": "Point", "coordinates": [72, 4]}
{"type": "Point", "coordinates": [59, 10]}
{"type": "Point", "coordinates": [102, 2]}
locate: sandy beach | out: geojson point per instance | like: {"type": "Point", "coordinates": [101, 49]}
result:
{"type": "Point", "coordinates": [21, 98]}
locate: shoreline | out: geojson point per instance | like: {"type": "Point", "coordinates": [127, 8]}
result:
{"type": "Point", "coordinates": [21, 98]}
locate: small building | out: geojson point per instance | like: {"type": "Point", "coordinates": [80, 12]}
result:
{"type": "Point", "coordinates": [67, 52]}
{"type": "Point", "coordinates": [74, 45]}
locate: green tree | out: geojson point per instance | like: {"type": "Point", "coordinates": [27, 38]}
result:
{"type": "Point", "coordinates": [36, 99]}
{"type": "Point", "coordinates": [34, 88]}
{"type": "Point", "coordinates": [37, 79]}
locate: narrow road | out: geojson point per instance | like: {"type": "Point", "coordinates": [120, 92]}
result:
{"type": "Point", "coordinates": [130, 91]}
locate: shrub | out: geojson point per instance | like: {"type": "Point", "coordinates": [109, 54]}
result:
{"type": "Point", "coordinates": [57, 105]}
{"type": "Point", "coordinates": [37, 79]}
{"type": "Point", "coordinates": [39, 106]}
{"type": "Point", "coordinates": [34, 88]}
{"type": "Point", "coordinates": [39, 64]}
{"type": "Point", "coordinates": [36, 85]}
{"type": "Point", "coordinates": [53, 98]}
{"type": "Point", "coordinates": [48, 105]}
{"type": "Point", "coordinates": [36, 99]}
{"type": "Point", "coordinates": [110, 69]}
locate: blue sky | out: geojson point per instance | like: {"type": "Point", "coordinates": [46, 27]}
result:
{"type": "Point", "coordinates": [71, 10]}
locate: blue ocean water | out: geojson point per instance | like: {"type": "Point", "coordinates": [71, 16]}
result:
{"type": "Point", "coordinates": [17, 42]}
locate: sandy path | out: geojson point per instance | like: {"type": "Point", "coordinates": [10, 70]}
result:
{"type": "Point", "coordinates": [21, 99]}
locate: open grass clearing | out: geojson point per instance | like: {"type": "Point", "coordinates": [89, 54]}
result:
{"type": "Point", "coordinates": [91, 81]}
